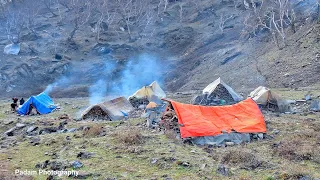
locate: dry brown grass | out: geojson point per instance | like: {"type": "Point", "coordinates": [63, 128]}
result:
{"type": "Point", "coordinates": [243, 159]}
{"type": "Point", "coordinates": [300, 146]}
{"type": "Point", "coordinates": [93, 131]}
{"type": "Point", "coordinates": [129, 135]}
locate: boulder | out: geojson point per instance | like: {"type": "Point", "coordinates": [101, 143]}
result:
{"type": "Point", "coordinates": [10, 131]}
{"type": "Point", "coordinates": [58, 56]}
{"type": "Point", "coordinates": [84, 155]}
{"type": "Point", "coordinates": [31, 129]}
{"type": "Point", "coordinates": [72, 130]}
{"type": "Point", "coordinates": [20, 126]}
{"type": "Point", "coordinates": [12, 49]}
{"type": "Point", "coordinates": [223, 170]}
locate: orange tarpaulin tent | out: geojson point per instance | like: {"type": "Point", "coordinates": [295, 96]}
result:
{"type": "Point", "coordinates": [243, 117]}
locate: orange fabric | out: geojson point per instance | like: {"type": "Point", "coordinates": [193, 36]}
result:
{"type": "Point", "coordinates": [243, 117]}
{"type": "Point", "coordinates": [151, 105]}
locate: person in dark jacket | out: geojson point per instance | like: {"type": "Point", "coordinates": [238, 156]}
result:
{"type": "Point", "coordinates": [22, 101]}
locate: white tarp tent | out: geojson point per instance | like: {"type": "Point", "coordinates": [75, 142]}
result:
{"type": "Point", "coordinates": [265, 97]}
{"type": "Point", "coordinates": [210, 89]}
{"type": "Point", "coordinates": [150, 92]}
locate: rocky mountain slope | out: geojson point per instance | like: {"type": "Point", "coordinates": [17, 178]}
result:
{"type": "Point", "coordinates": [195, 41]}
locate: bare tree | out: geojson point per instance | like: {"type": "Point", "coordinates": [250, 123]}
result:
{"type": "Point", "coordinates": [49, 4]}
{"type": "Point", "coordinates": [80, 14]}
{"type": "Point", "coordinates": [275, 16]}
{"type": "Point", "coordinates": [103, 16]}
{"type": "Point", "coordinates": [224, 20]}
{"type": "Point", "coordinates": [14, 24]}
{"type": "Point", "coordinates": [318, 9]}
{"type": "Point", "coordinates": [162, 6]}
{"type": "Point", "coordinates": [31, 11]}
{"type": "Point", "coordinates": [137, 14]}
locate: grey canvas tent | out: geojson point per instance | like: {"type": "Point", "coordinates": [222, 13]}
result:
{"type": "Point", "coordinates": [217, 90]}
{"type": "Point", "coordinates": [115, 109]}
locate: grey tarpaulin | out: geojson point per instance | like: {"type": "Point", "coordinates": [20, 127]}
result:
{"type": "Point", "coordinates": [315, 105]}
{"type": "Point", "coordinates": [219, 140]}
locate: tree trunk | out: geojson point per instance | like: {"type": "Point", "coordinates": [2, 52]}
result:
{"type": "Point", "coordinates": [73, 32]}
{"type": "Point", "coordinates": [275, 39]}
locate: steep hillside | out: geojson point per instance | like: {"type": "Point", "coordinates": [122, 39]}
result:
{"type": "Point", "coordinates": [189, 43]}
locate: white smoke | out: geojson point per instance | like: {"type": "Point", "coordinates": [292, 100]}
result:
{"type": "Point", "coordinates": [64, 81]}
{"type": "Point", "coordinates": [138, 72]}
{"type": "Point", "coordinates": [112, 79]}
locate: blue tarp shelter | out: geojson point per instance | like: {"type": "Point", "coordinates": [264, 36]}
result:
{"type": "Point", "coordinates": [42, 102]}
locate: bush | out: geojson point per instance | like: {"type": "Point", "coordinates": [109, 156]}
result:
{"type": "Point", "coordinates": [300, 147]}
{"type": "Point", "coordinates": [243, 159]}
{"type": "Point", "coordinates": [129, 136]}
{"type": "Point", "coordinates": [93, 131]}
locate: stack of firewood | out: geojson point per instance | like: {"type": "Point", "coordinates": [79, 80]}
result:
{"type": "Point", "coordinates": [136, 102]}
{"type": "Point", "coordinates": [169, 121]}
{"type": "Point", "coordinates": [96, 114]}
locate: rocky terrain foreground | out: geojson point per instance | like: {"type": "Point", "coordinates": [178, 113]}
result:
{"type": "Point", "coordinates": [129, 150]}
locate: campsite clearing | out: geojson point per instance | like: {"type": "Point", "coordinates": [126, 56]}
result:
{"type": "Point", "coordinates": [150, 154]}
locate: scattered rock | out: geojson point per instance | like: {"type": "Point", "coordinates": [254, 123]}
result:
{"type": "Point", "coordinates": [72, 130]}
{"type": "Point", "coordinates": [10, 132]}
{"type": "Point", "coordinates": [57, 165]}
{"type": "Point", "coordinates": [230, 143]}
{"type": "Point", "coordinates": [8, 122]}
{"type": "Point", "coordinates": [58, 56]}
{"type": "Point", "coordinates": [83, 175]}
{"type": "Point", "coordinates": [48, 130]}
{"type": "Point", "coordinates": [276, 131]}
{"type": "Point", "coordinates": [84, 155]}
{"type": "Point", "coordinates": [223, 170]}
{"type": "Point", "coordinates": [154, 160]}
{"type": "Point", "coordinates": [20, 126]}
{"type": "Point", "coordinates": [63, 131]}
{"type": "Point", "coordinates": [64, 116]}
{"type": "Point", "coordinates": [260, 135]}
{"type": "Point", "coordinates": [183, 163]}
{"type": "Point", "coordinates": [35, 141]}
{"type": "Point", "coordinates": [31, 129]}
{"type": "Point", "coordinates": [42, 165]}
